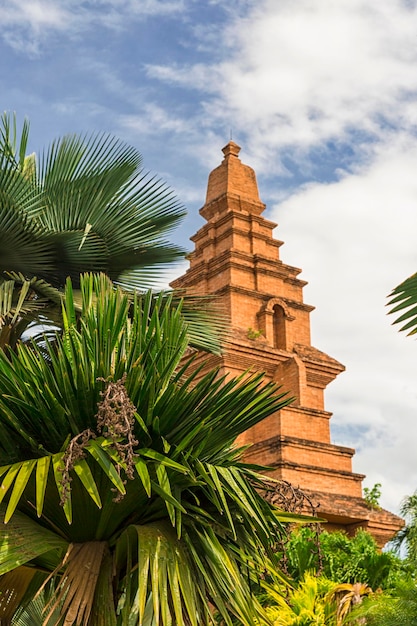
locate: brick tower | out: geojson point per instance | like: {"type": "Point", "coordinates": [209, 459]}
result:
{"type": "Point", "coordinates": [237, 259]}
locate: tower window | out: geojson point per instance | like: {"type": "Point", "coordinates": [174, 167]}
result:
{"type": "Point", "coordinates": [280, 340]}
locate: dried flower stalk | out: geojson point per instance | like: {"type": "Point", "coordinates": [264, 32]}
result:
{"type": "Point", "coordinates": [115, 421]}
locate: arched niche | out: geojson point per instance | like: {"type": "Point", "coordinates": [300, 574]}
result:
{"type": "Point", "coordinates": [279, 327]}
{"type": "Point", "coordinates": [273, 319]}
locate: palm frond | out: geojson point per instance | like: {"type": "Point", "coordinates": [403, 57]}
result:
{"type": "Point", "coordinates": [86, 205]}
{"type": "Point", "coordinates": [23, 248]}
{"type": "Point", "coordinates": [157, 565]}
{"type": "Point", "coordinates": [102, 212]}
{"type": "Point", "coordinates": [31, 611]}
{"type": "Point", "coordinates": [23, 540]}
{"type": "Point", "coordinates": [404, 298]}
{"type": "Point", "coordinates": [12, 147]}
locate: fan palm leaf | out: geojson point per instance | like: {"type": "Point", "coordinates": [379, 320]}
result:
{"type": "Point", "coordinates": [32, 612]}
{"type": "Point", "coordinates": [102, 212]}
{"type": "Point", "coordinates": [83, 205]}
{"type": "Point", "coordinates": [124, 459]}
{"type": "Point", "coordinates": [88, 206]}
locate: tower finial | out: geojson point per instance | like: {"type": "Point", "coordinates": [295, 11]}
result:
{"type": "Point", "coordinates": [231, 149]}
{"type": "Point", "coordinates": [232, 178]}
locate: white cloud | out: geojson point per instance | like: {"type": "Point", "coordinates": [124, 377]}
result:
{"type": "Point", "coordinates": [355, 240]}
{"type": "Point", "coordinates": [34, 14]}
{"type": "Point", "coordinates": [152, 120]}
{"type": "Point", "coordinates": [318, 69]}
{"type": "Point", "coordinates": [24, 22]}
{"type": "Point", "coordinates": [299, 74]}
{"type": "Point", "coordinates": [198, 75]}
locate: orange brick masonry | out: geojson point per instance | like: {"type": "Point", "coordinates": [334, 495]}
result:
{"type": "Point", "coordinates": [237, 259]}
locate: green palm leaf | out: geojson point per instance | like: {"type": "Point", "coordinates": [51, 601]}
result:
{"type": "Point", "coordinates": [163, 570]}
{"type": "Point", "coordinates": [404, 298]}
{"type": "Point", "coordinates": [20, 483]}
{"type": "Point", "coordinates": [42, 469]}
{"type": "Point", "coordinates": [105, 462]}
{"type": "Point", "coordinates": [31, 613]}
{"type": "Point", "coordinates": [12, 147]}
{"type": "Point", "coordinates": [101, 212]}
{"type": "Point", "coordinates": [22, 540]}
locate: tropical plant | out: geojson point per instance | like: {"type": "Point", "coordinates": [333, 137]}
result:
{"type": "Point", "coordinates": [347, 596]}
{"type": "Point", "coordinates": [31, 613]}
{"type": "Point", "coordinates": [309, 602]}
{"type": "Point", "coordinates": [372, 496]}
{"type": "Point", "coordinates": [341, 558]}
{"type": "Point", "coordinates": [357, 560]}
{"type": "Point", "coordinates": [398, 608]}
{"type": "Point", "coordinates": [83, 205]}
{"type": "Point", "coordinates": [407, 536]}
{"type": "Point", "coordinates": [120, 483]}
{"type": "Point", "coordinates": [302, 552]}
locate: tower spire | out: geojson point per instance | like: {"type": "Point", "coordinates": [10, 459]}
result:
{"type": "Point", "coordinates": [233, 179]}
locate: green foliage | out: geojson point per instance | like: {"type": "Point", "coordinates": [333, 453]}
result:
{"type": "Point", "coordinates": [255, 334]}
{"type": "Point", "coordinates": [340, 558]}
{"type": "Point", "coordinates": [88, 207]}
{"type": "Point", "coordinates": [398, 608]}
{"type": "Point", "coordinates": [350, 567]}
{"type": "Point", "coordinates": [404, 298]}
{"type": "Point", "coordinates": [307, 603]}
{"type": "Point", "coordinates": [13, 147]}
{"type": "Point", "coordinates": [118, 473]}
{"type": "Point", "coordinates": [372, 495]}
{"type": "Point", "coordinates": [407, 536]}
{"type": "Point", "coordinates": [83, 205]}
{"type": "Point", "coordinates": [302, 552]}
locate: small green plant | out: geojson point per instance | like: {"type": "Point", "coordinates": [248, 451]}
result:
{"type": "Point", "coordinates": [255, 334]}
{"type": "Point", "coordinates": [372, 495]}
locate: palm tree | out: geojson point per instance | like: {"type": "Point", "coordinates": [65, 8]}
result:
{"type": "Point", "coordinates": [84, 205]}
{"type": "Point", "coordinates": [119, 480]}
{"type": "Point", "coordinates": [407, 536]}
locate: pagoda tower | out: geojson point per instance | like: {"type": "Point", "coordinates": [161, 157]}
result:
{"type": "Point", "coordinates": [236, 259]}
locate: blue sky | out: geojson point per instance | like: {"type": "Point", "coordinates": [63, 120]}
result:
{"type": "Point", "coordinates": [321, 95]}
